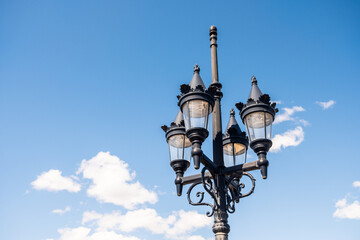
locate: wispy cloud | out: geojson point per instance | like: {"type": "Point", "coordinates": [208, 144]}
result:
{"type": "Point", "coordinates": [287, 114]}
{"type": "Point", "coordinates": [304, 122]}
{"type": "Point", "coordinates": [326, 105]}
{"type": "Point", "coordinates": [112, 182]}
{"type": "Point", "coordinates": [291, 137]}
{"type": "Point", "coordinates": [62, 211]}
{"type": "Point", "coordinates": [356, 184]}
{"type": "Point", "coordinates": [53, 181]}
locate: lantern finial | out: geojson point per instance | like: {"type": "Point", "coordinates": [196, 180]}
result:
{"type": "Point", "coordinates": [196, 68]}
{"type": "Point", "coordinates": [253, 80]}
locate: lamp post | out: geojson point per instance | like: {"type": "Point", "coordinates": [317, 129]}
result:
{"type": "Point", "coordinates": [221, 177]}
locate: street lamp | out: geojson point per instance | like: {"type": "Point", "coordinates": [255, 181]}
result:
{"type": "Point", "coordinates": [196, 104]}
{"type": "Point", "coordinates": [221, 177]}
{"type": "Point", "coordinates": [258, 115]}
{"type": "Point", "coordinates": [179, 148]}
{"type": "Point", "coordinates": [235, 143]}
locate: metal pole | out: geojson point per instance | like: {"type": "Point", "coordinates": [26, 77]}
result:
{"type": "Point", "coordinates": [221, 227]}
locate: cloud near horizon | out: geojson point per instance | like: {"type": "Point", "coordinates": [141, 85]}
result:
{"type": "Point", "coordinates": [113, 182]}
{"type": "Point", "coordinates": [178, 225]}
{"type": "Point", "coordinates": [345, 210]}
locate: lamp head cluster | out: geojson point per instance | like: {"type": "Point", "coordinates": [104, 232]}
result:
{"type": "Point", "coordinates": [190, 127]}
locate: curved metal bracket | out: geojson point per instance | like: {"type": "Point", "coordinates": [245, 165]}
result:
{"type": "Point", "coordinates": [233, 189]}
{"type": "Point", "coordinates": [209, 187]}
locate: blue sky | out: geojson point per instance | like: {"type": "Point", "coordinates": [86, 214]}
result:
{"type": "Point", "coordinates": [86, 85]}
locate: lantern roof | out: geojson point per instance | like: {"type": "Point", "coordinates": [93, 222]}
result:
{"type": "Point", "coordinates": [179, 119]}
{"type": "Point", "coordinates": [255, 91]}
{"type": "Point", "coordinates": [196, 79]}
{"type": "Point", "coordinates": [233, 127]}
{"type": "Point", "coordinates": [233, 132]}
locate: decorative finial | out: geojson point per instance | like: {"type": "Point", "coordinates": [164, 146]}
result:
{"type": "Point", "coordinates": [196, 68]}
{"type": "Point", "coordinates": [213, 35]}
{"type": "Point", "coordinates": [253, 80]}
{"type": "Point", "coordinates": [213, 28]}
{"type": "Point", "coordinates": [232, 112]}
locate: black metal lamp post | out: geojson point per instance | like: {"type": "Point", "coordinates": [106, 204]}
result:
{"type": "Point", "coordinates": [220, 177]}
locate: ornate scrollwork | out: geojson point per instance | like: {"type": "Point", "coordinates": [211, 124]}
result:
{"type": "Point", "coordinates": [209, 187]}
{"type": "Point", "coordinates": [233, 189]}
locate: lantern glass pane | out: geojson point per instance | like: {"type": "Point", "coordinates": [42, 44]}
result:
{"type": "Point", "coordinates": [269, 126]}
{"type": "Point", "coordinates": [234, 154]}
{"type": "Point", "coordinates": [258, 125]}
{"type": "Point", "coordinates": [179, 147]}
{"type": "Point", "coordinates": [196, 114]}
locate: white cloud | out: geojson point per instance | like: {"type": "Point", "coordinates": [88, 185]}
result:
{"type": "Point", "coordinates": [304, 122]}
{"type": "Point", "coordinates": [290, 138]}
{"type": "Point", "coordinates": [176, 226]}
{"type": "Point", "coordinates": [356, 184]}
{"type": "Point", "coordinates": [326, 105]}
{"type": "Point", "coordinates": [83, 233]}
{"type": "Point", "coordinates": [112, 182]}
{"type": "Point", "coordinates": [195, 237]}
{"type": "Point", "coordinates": [347, 210]}
{"type": "Point", "coordinates": [62, 211]}
{"type": "Point", "coordinates": [287, 114]}
{"type": "Point", "coordinates": [186, 223]}
{"type": "Point", "coordinates": [53, 181]}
